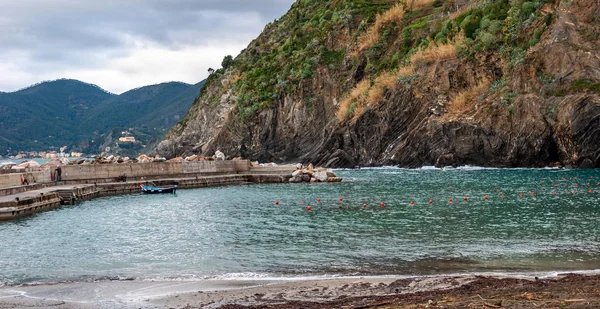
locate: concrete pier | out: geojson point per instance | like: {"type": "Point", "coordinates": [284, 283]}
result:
{"type": "Point", "coordinates": [84, 182]}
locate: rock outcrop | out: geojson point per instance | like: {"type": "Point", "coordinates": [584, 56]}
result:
{"type": "Point", "coordinates": [489, 104]}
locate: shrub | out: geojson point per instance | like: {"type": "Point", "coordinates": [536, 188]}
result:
{"type": "Point", "coordinates": [528, 8]}
{"type": "Point", "coordinates": [488, 40]}
{"type": "Point", "coordinates": [470, 25]}
{"type": "Point", "coordinates": [227, 62]}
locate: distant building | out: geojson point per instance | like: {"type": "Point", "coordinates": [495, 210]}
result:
{"type": "Point", "coordinates": [127, 139]}
{"type": "Point", "coordinates": [76, 154]}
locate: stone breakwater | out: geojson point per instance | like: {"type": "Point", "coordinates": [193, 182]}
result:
{"type": "Point", "coordinates": [83, 182]}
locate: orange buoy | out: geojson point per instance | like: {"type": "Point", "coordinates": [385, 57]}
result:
{"type": "Point", "coordinates": [341, 199]}
{"type": "Point", "coordinates": [319, 199]}
{"type": "Point", "coordinates": [486, 197]}
{"type": "Point", "coordinates": [502, 196]}
{"type": "Point", "coordinates": [340, 206]}
{"type": "Point", "coordinates": [412, 203]}
{"type": "Point", "coordinates": [553, 192]}
{"type": "Point", "coordinates": [365, 205]}
{"type": "Point", "coordinates": [382, 204]}
{"type": "Point", "coordinates": [308, 208]}
{"type": "Point", "coordinates": [276, 202]}
{"type": "Point", "coordinates": [521, 194]}
{"type": "Point", "coordinates": [570, 178]}
{"type": "Point", "coordinates": [590, 191]}
{"type": "Point", "coordinates": [430, 201]}
{"type": "Point", "coordinates": [532, 193]}
{"type": "Point", "coordinates": [450, 201]}
{"type": "Point", "coordinates": [465, 198]}
{"type": "Point", "coordinates": [576, 185]}
{"type": "Point", "coordinates": [556, 186]}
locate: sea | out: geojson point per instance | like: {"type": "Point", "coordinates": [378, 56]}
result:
{"type": "Point", "coordinates": [377, 222]}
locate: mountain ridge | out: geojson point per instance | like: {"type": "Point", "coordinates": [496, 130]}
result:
{"type": "Point", "coordinates": [74, 113]}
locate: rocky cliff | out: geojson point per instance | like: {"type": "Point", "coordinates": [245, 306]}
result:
{"type": "Point", "coordinates": [411, 83]}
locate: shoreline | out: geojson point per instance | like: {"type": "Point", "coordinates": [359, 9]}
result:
{"type": "Point", "coordinates": [290, 292]}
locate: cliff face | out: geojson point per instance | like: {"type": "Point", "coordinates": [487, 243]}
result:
{"type": "Point", "coordinates": [421, 82]}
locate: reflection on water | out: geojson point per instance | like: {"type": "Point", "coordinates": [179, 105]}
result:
{"type": "Point", "coordinates": [239, 231]}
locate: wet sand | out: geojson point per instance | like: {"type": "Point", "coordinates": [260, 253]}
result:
{"type": "Point", "coordinates": [563, 291]}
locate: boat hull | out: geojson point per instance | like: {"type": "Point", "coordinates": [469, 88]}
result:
{"type": "Point", "coordinates": [158, 190]}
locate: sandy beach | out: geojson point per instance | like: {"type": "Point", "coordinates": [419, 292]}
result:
{"type": "Point", "coordinates": [561, 291]}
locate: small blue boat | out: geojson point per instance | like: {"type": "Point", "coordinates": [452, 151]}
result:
{"type": "Point", "coordinates": [158, 190]}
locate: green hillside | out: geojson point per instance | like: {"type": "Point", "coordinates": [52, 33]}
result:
{"type": "Point", "coordinates": [408, 83]}
{"type": "Point", "coordinates": [46, 114]}
{"type": "Point", "coordinates": [73, 113]}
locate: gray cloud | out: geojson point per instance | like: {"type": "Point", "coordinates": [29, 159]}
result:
{"type": "Point", "coordinates": [53, 36]}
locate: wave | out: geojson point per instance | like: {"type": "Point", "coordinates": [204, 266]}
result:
{"type": "Point", "coordinates": [266, 277]}
{"type": "Point", "coordinates": [450, 168]}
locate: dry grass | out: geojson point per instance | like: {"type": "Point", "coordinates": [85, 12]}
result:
{"type": "Point", "coordinates": [463, 101]}
{"type": "Point", "coordinates": [387, 80]}
{"type": "Point", "coordinates": [417, 4]}
{"type": "Point", "coordinates": [434, 52]}
{"type": "Point", "coordinates": [365, 95]}
{"type": "Point", "coordinates": [359, 93]}
{"type": "Point", "coordinates": [405, 71]}
{"type": "Point", "coordinates": [375, 95]}
{"type": "Point", "coordinates": [373, 34]}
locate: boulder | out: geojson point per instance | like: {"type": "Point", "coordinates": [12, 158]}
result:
{"type": "Point", "coordinates": [176, 159]}
{"type": "Point", "coordinates": [334, 179]}
{"type": "Point", "coordinates": [191, 158]}
{"type": "Point", "coordinates": [296, 179]}
{"type": "Point", "coordinates": [321, 176]}
{"type": "Point", "coordinates": [312, 179]}
{"type": "Point", "coordinates": [219, 155]}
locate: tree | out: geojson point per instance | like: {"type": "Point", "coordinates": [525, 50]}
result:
{"type": "Point", "coordinates": [227, 61]}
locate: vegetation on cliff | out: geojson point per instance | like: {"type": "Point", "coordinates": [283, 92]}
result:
{"type": "Point", "coordinates": [489, 82]}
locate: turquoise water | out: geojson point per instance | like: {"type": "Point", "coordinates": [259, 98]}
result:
{"type": "Point", "coordinates": [239, 232]}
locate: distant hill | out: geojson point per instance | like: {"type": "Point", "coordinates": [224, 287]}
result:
{"type": "Point", "coordinates": [73, 113]}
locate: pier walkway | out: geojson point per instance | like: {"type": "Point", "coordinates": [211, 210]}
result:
{"type": "Point", "coordinates": [82, 183]}
{"type": "Point", "coordinates": [43, 191]}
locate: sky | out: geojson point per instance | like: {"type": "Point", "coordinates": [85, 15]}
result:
{"type": "Point", "coordinates": [123, 44]}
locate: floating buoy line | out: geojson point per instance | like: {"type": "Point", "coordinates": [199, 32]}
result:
{"type": "Point", "coordinates": [551, 189]}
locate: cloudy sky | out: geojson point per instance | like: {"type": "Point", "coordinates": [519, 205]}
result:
{"type": "Point", "coordinates": [123, 44]}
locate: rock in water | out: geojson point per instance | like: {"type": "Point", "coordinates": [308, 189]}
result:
{"type": "Point", "coordinates": [321, 176]}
